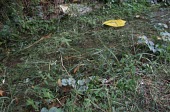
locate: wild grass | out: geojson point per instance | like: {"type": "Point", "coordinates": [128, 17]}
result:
{"type": "Point", "coordinates": [81, 47]}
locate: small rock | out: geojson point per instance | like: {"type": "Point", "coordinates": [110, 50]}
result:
{"type": "Point", "coordinates": [165, 36]}
{"type": "Point", "coordinates": [163, 25]}
{"type": "Point", "coordinates": [75, 9]}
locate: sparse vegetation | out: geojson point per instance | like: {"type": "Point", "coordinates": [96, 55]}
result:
{"type": "Point", "coordinates": [76, 64]}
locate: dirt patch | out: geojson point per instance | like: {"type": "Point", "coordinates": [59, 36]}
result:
{"type": "Point", "coordinates": [161, 15]}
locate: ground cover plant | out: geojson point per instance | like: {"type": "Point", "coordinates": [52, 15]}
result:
{"type": "Point", "coordinates": [77, 64]}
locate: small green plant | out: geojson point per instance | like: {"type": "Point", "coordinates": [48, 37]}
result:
{"type": "Point", "coordinates": [30, 102]}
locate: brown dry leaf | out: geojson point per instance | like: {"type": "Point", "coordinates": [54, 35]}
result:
{"type": "Point", "coordinates": [47, 36]}
{"type": "Point", "coordinates": [76, 69]}
{"type": "Point", "coordinates": [2, 93]}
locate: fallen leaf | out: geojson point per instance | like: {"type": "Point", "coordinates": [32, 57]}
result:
{"type": "Point", "coordinates": [115, 23]}
{"type": "Point", "coordinates": [59, 82]}
{"type": "Point", "coordinates": [47, 36]}
{"type": "Point", "coordinates": [76, 69]}
{"type": "Point", "coordinates": [2, 93]}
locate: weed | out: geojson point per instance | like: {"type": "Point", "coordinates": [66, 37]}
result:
{"type": "Point", "coordinates": [85, 66]}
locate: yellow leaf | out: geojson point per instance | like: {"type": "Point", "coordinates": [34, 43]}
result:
{"type": "Point", "coordinates": [59, 82]}
{"type": "Point", "coordinates": [115, 23]}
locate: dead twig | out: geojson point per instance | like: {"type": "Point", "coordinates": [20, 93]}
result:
{"type": "Point", "coordinates": [42, 38]}
{"type": "Point", "coordinates": [62, 64]}
{"type": "Point", "coordinates": [59, 102]}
